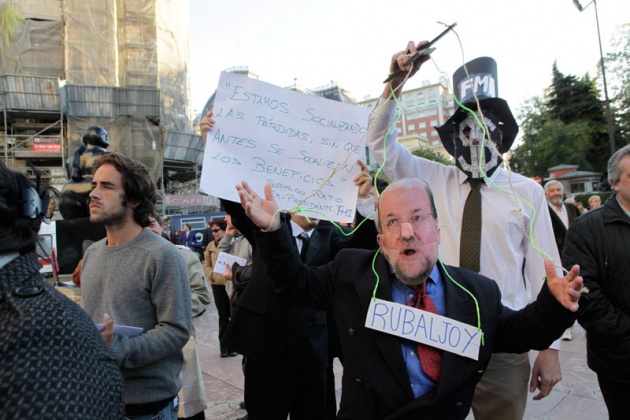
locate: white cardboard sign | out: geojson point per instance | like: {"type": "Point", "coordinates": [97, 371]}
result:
{"type": "Point", "coordinates": [424, 327]}
{"type": "Point", "coordinates": [225, 258]}
{"type": "Point", "coordinates": [267, 134]}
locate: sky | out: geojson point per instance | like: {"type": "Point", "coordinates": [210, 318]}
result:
{"type": "Point", "coordinates": [349, 42]}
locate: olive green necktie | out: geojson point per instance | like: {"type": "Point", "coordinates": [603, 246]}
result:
{"type": "Point", "coordinates": [470, 241]}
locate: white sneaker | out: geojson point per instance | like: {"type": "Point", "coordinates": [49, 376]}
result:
{"type": "Point", "coordinates": [567, 335]}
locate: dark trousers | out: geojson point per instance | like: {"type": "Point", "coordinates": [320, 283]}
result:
{"type": "Point", "coordinates": [275, 390]}
{"type": "Point", "coordinates": [615, 396]}
{"type": "Point", "coordinates": [222, 302]}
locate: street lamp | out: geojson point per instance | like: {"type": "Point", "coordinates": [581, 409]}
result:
{"type": "Point", "coordinates": [611, 133]}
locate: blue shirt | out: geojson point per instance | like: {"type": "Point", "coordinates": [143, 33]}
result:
{"type": "Point", "coordinates": [401, 293]}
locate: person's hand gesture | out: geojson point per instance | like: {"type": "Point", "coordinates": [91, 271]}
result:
{"type": "Point", "coordinates": [565, 289]}
{"type": "Point", "coordinates": [406, 71]}
{"type": "Point", "coordinates": [205, 126]}
{"type": "Point", "coordinates": [363, 180]}
{"type": "Point", "coordinates": [263, 212]}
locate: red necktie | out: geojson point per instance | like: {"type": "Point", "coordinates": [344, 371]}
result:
{"type": "Point", "coordinates": [430, 357]}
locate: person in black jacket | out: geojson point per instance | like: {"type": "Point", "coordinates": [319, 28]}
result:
{"type": "Point", "coordinates": [286, 344]}
{"type": "Point", "coordinates": [383, 377]}
{"type": "Point", "coordinates": [53, 362]}
{"type": "Point", "coordinates": [600, 242]}
{"type": "Point", "coordinates": [562, 215]}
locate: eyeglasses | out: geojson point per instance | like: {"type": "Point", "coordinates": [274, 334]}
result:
{"type": "Point", "coordinates": [422, 228]}
{"type": "Point", "coordinates": [416, 220]}
{"type": "Point", "coordinates": [216, 230]}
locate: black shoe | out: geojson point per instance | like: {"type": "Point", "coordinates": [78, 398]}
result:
{"type": "Point", "coordinates": [224, 353]}
{"type": "Point", "coordinates": [232, 354]}
{"type": "Point", "coordinates": [242, 405]}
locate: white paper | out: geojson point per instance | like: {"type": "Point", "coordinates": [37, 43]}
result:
{"type": "Point", "coordinates": [224, 258]}
{"type": "Point", "coordinates": [122, 329]}
{"type": "Point", "coordinates": [424, 327]}
{"type": "Point", "coordinates": [297, 142]}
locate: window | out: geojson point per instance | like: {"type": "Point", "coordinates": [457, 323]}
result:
{"type": "Point", "coordinates": [422, 125]}
{"type": "Point", "coordinates": [411, 127]}
{"type": "Point", "coordinates": [577, 187]}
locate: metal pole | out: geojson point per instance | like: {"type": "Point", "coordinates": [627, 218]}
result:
{"type": "Point", "coordinates": [611, 133]}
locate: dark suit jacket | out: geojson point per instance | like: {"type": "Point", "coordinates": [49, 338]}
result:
{"type": "Point", "coordinates": [268, 324]}
{"type": "Point", "coordinates": [559, 231]}
{"type": "Point", "coordinates": [375, 380]}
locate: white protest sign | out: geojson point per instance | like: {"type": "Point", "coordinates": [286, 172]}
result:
{"type": "Point", "coordinates": [267, 134]}
{"type": "Point", "coordinates": [224, 258]}
{"type": "Point", "coordinates": [424, 327]}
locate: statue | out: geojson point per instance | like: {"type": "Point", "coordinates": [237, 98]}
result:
{"type": "Point", "coordinates": [74, 196]}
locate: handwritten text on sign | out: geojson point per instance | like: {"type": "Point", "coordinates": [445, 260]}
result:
{"type": "Point", "coordinates": [225, 258]}
{"type": "Point", "coordinates": [424, 327]}
{"type": "Point", "coordinates": [264, 133]}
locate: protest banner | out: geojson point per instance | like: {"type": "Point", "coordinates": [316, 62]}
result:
{"type": "Point", "coordinates": [306, 146]}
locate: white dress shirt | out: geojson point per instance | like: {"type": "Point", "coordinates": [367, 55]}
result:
{"type": "Point", "coordinates": [505, 219]}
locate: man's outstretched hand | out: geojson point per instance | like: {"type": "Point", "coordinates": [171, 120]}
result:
{"type": "Point", "coordinates": [263, 211]}
{"type": "Point", "coordinates": [565, 289]}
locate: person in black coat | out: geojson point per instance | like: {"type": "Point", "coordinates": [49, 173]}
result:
{"type": "Point", "coordinates": [600, 242]}
{"type": "Point", "coordinates": [53, 362]}
{"type": "Point", "coordinates": [286, 344]}
{"type": "Point", "coordinates": [381, 378]}
{"type": "Point", "coordinates": [562, 214]}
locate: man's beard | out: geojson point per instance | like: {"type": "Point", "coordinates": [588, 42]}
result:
{"type": "Point", "coordinates": [412, 280]}
{"type": "Point", "coordinates": [116, 218]}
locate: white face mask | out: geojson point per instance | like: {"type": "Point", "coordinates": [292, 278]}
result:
{"type": "Point", "coordinates": [470, 137]}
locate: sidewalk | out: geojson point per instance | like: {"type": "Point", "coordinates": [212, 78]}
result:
{"type": "Point", "coordinates": [576, 397]}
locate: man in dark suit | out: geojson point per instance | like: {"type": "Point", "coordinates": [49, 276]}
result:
{"type": "Point", "coordinates": [383, 376]}
{"type": "Point", "coordinates": [286, 344]}
{"type": "Point", "coordinates": [562, 214]}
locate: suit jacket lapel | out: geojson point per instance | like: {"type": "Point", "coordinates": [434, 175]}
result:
{"type": "Point", "coordinates": [314, 247]}
{"type": "Point", "coordinates": [389, 345]}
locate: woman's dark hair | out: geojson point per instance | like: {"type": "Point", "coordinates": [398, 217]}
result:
{"type": "Point", "coordinates": [138, 185]}
{"type": "Point", "coordinates": [219, 222]}
{"type": "Point", "coordinates": [18, 232]}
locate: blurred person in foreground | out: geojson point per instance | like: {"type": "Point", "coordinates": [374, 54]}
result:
{"type": "Point", "coordinates": [53, 363]}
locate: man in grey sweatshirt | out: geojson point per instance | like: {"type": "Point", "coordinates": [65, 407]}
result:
{"type": "Point", "coordinates": [134, 278]}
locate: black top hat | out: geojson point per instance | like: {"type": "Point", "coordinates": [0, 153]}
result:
{"type": "Point", "coordinates": [482, 82]}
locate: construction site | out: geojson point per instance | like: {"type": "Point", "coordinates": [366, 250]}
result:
{"type": "Point", "coordinates": [67, 65]}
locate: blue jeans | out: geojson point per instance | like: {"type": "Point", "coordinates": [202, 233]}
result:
{"type": "Point", "coordinates": [167, 413]}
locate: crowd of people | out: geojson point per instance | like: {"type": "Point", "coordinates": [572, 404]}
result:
{"type": "Point", "coordinates": [438, 245]}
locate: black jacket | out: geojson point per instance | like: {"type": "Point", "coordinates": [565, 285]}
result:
{"type": "Point", "coordinates": [559, 230]}
{"type": "Point", "coordinates": [599, 242]}
{"type": "Point", "coordinates": [268, 324]}
{"type": "Point", "coordinates": [375, 380]}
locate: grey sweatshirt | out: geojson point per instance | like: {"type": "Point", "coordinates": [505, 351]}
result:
{"type": "Point", "coordinates": [143, 283]}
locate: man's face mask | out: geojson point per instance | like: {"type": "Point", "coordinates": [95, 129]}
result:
{"type": "Point", "coordinates": [469, 137]}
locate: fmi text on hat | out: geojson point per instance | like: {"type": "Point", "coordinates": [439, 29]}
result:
{"type": "Point", "coordinates": [481, 83]}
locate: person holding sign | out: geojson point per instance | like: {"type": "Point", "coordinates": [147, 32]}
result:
{"type": "Point", "coordinates": [289, 348]}
{"type": "Point", "coordinates": [386, 376]}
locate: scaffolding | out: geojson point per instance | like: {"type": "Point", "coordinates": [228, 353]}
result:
{"type": "Point", "coordinates": [69, 64]}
